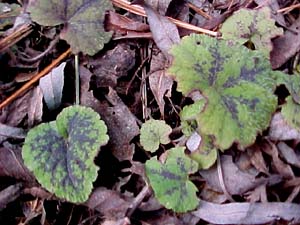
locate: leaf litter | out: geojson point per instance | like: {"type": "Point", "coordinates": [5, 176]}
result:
{"type": "Point", "coordinates": [258, 171]}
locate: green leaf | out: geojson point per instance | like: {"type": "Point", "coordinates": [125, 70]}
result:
{"type": "Point", "coordinates": [61, 153]}
{"type": "Point", "coordinates": [154, 132]}
{"type": "Point", "coordinates": [188, 116]}
{"type": "Point", "coordinates": [170, 181]}
{"type": "Point", "coordinates": [255, 26]}
{"type": "Point", "coordinates": [83, 21]}
{"type": "Point", "coordinates": [237, 83]}
{"type": "Point", "coordinates": [206, 153]}
{"type": "Point", "coordinates": [291, 113]}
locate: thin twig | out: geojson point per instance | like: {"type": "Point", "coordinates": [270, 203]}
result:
{"type": "Point", "coordinates": [26, 86]}
{"type": "Point", "coordinates": [137, 200]}
{"type": "Point", "coordinates": [14, 37]}
{"type": "Point", "coordinates": [138, 10]}
{"type": "Point", "coordinates": [288, 9]}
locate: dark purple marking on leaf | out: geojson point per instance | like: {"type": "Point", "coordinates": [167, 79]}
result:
{"type": "Point", "coordinates": [170, 191]}
{"type": "Point", "coordinates": [250, 74]}
{"type": "Point", "coordinates": [230, 82]}
{"type": "Point", "coordinates": [231, 105]}
{"type": "Point", "coordinates": [179, 189]}
{"type": "Point", "coordinates": [198, 68]}
{"type": "Point", "coordinates": [250, 102]}
{"type": "Point", "coordinates": [216, 66]}
{"type": "Point", "coordinates": [166, 174]}
{"type": "Point", "coordinates": [181, 164]}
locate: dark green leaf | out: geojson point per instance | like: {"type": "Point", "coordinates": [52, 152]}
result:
{"type": "Point", "coordinates": [170, 181]}
{"type": "Point", "coordinates": [82, 19]}
{"type": "Point", "coordinates": [61, 153]}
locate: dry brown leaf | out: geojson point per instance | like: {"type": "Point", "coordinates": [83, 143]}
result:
{"type": "Point", "coordinates": [160, 6]}
{"type": "Point", "coordinates": [11, 165]}
{"type": "Point", "coordinates": [31, 104]}
{"type": "Point", "coordinates": [165, 33]}
{"type": "Point", "coordinates": [259, 194]}
{"type": "Point", "coordinates": [257, 159]}
{"type": "Point", "coordinates": [288, 154]}
{"type": "Point", "coordinates": [284, 47]}
{"type": "Point", "coordinates": [122, 24]}
{"type": "Point", "coordinates": [9, 194]}
{"type": "Point", "coordinates": [35, 107]}
{"type": "Point", "coordinates": [247, 213]}
{"type": "Point", "coordinates": [208, 194]}
{"type": "Point", "coordinates": [236, 181]}
{"type": "Point", "coordinates": [86, 96]}
{"type": "Point", "coordinates": [122, 126]}
{"type": "Point", "coordinates": [121, 123]}
{"type": "Point", "coordinates": [281, 131]}
{"type": "Point", "coordinates": [10, 132]}
{"type": "Point", "coordinates": [109, 203]}
{"type": "Point", "coordinates": [160, 85]}
{"type": "Point", "coordinates": [282, 168]}
{"type": "Point", "coordinates": [165, 218]}
{"type": "Point", "coordinates": [112, 65]}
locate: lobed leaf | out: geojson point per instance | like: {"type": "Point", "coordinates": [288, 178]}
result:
{"type": "Point", "coordinates": [255, 26]}
{"type": "Point", "coordinates": [61, 153]}
{"type": "Point", "coordinates": [154, 132]}
{"type": "Point", "coordinates": [83, 21]}
{"type": "Point", "coordinates": [170, 181]}
{"type": "Point", "coordinates": [237, 83]}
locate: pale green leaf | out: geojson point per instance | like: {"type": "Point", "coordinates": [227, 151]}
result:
{"type": "Point", "coordinates": [170, 182]}
{"type": "Point", "coordinates": [83, 21]}
{"type": "Point", "coordinates": [61, 154]}
{"type": "Point", "coordinates": [154, 132]}
{"type": "Point", "coordinates": [255, 26]}
{"type": "Point", "coordinates": [237, 84]}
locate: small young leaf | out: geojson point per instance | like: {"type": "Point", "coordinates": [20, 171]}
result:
{"type": "Point", "coordinates": [188, 116]}
{"type": "Point", "coordinates": [61, 153]}
{"type": "Point", "coordinates": [237, 84]}
{"type": "Point", "coordinates": [82, 19]}
{"type": "Point", "coordinates": [170, 181]}
{"type": "Point", "coordinates": [206, 153]}
{"type": "Point", "coordinates": [291, 113]}
{"type": "Point", "coordinates": [153, 133]}
{"type": "Point", "coordinates": [255, 26]}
